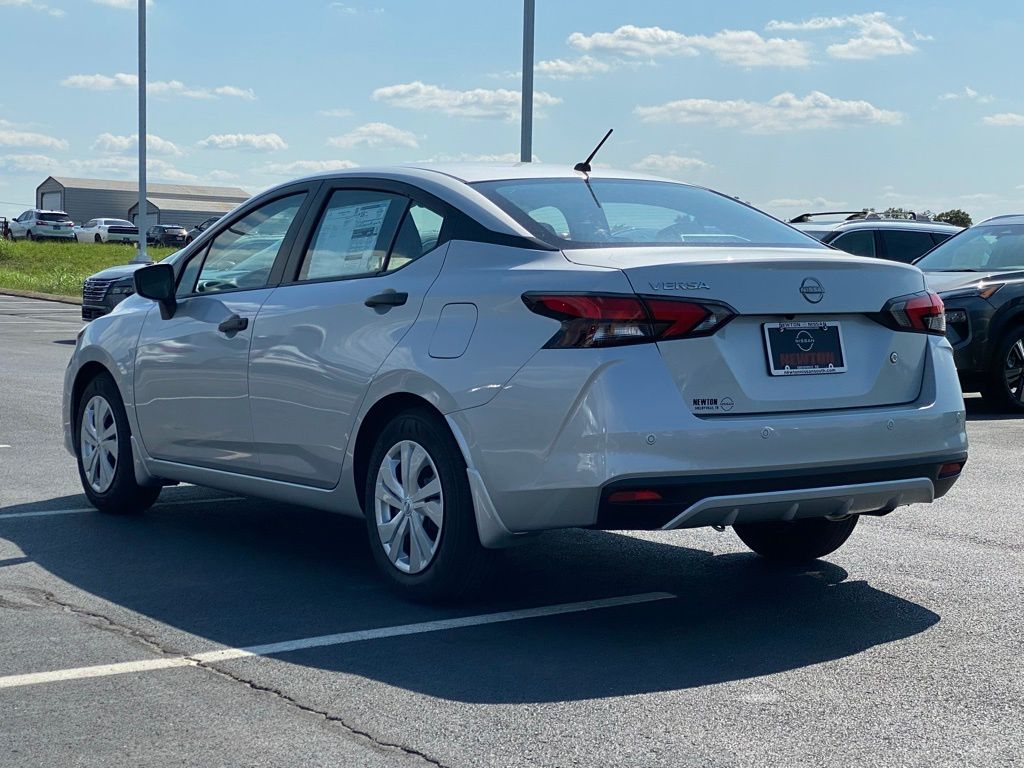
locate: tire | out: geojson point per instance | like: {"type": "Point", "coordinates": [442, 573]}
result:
{"type": "Point", "coordinates": [76, 239]}
{"type": "Point", "coordinates": [115, 489]}
{"type": "Point", "coordinates": [1003, 387]}
{"type": "Point", "coordinates": [449, 562]}
{"type": "Point", "coordinates": [798, 541]}
{"type": "Point", "coordinates": [98, 239]}
{"type": "Point", "coordinates": [29, 236]}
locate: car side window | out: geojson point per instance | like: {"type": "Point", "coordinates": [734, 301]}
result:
{"type": "Point", "coordinates": [89, 224]}
{"type": "Point", "coordinates": [242, 255]}
{"type": "Point", "coordinates": [418, 234]}
{"type": "Point", "coordinates": [903, 245]}
{"type": "Point", "coordinates": [354, 235]}
{"type": "Point", "coordinates": [860, 242]}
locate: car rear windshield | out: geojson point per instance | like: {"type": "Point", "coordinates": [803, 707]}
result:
{"type": "Point", "coordinates": [61, 217]}
{"type": "Point", "coordinates": [604, 213]}
{"type": "Point", "coordinates": [987, 247]}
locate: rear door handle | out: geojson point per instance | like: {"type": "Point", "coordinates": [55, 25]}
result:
{"type": "Point", "coordinates": [387, 299]}
{"type": "Point", "coordinates": [234, 324]}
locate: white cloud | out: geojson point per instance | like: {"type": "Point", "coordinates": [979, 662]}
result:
{"type": "Point", "coordinates": [351, 10]}
{"type": "Point", "coordinates": [219, 175]}
{"type": "Point", "coordinates": [469, 157]}
{"type": "Point", "coordinates": [100, 82]}
{"type": "Point", "coordinates": [375, 136]}
{"type": "Point", "coordinates": [11, 136]}
{"type": "Point", "coordinates": [561, 69]}
{"type": "Point", "coordinates": [113, 165]}
{"type": "Point", "coordinates": [805, 203]}
{"type": "Point", "coordinates": [335, 112]}
{"type": "Point", "coordinates": [967, 94]}
{"type": "Point", "coordinates": [744, 48]}
{"type": "Point", "coordinates": [670, 164]}
{"type": "Point", "coordinates": [875, 35]}
{"type": "Point", "coordinates": [254, 142]}
{"type": "Point", "coordinates": [34, 6]}
{"type": "Point", "coordinates": [304, 167]}
{"type": "Point", "coordinates": [1004, 119]}
{"type": "Point", "coordinates": [123, 4]}
{"type": "Point", "coordinates": [108, 142]}
{"type": "Point", "coordinates": [785, 112]}
{"type": "Point", "coordinates": [478, 102]}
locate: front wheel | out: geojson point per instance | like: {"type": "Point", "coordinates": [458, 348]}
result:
{"type": "Point", "coordinates": [419, 511]}
{"type": "Point", "coordinates": [797, 541]}
{"type": "Point", "coordinates": [29, 235]}
{"type": "Point", "coordinates": [105, 452]}
{"type": "Point", "coordinates": [1004, 388]}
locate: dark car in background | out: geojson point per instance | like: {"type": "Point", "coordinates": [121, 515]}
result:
{"type": "Point", "coordinates": [980, 276]}
{"type": "Point", "coordinates": [173, 235]}
{"type": "Point", "coordinates": [105, 290]}
{"type": "Point", "coordinates": [865, 233]}
{"type": "Point", "coordinates": [201, 227]}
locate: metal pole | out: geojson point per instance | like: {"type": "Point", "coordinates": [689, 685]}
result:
{"type": "Point", "coordinates": [526, 138]}
{"type": "Point", "coordinates": [140, 219]}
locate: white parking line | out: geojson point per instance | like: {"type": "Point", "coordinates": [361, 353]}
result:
{"type": "Point", "coordinates": [343, 638]}
{"type": "Point", "coordinates": [80, 510]}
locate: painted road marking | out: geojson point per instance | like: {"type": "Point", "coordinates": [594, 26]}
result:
{"type": "Point", "coordinates": [80, 510]}
{"type": "Point", "coordinates": [343, 638]}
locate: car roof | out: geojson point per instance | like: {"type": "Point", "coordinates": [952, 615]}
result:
{"type": "Point", "coordinates": [1008, 218]}
{"type": "Point", "coordinates": [845, 226]}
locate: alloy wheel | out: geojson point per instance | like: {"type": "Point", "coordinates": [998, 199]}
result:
{"type": "Point", "coordinates": [1013, 371]}
{"type": "Point", "coordinates": [98, 441]}
{"type": "Point", "coordinates": [409, 506]}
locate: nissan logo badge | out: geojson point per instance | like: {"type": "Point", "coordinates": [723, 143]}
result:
{"type": "Point", "coordinates": [812, 290]}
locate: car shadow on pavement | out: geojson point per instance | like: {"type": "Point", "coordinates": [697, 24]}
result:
{"type": "Point", "coordinates": [979, 410]}
{"type": "Point", "coordinates": [247, 572]}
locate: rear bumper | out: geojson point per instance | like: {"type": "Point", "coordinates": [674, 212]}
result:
{"type": "Point", "coordinates": [563, 430]}
{"type": "Point", "coordinates": [759, 497]}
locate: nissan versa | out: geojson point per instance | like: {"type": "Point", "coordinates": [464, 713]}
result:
{"type": "Point", "coordinates": [467, 355]}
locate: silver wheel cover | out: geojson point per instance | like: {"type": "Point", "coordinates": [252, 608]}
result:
{"type": "Point", "coordinates": [409, 506]}
{"type": "Point", "coordinates": [98, 444]}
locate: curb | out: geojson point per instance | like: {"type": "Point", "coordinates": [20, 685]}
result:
{"type": "Point", "coordinates": [41, 296]}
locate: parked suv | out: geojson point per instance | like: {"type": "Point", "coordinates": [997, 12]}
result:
{"type": "Point", "coordinates": [36, 224]}
{"type": "Point", "coordinates": [980, 276]}
{"type": "Point", "coordinates": [863, 233]}
{"type": "Point", "coordinates": [173, 235]}
{"type": "Point", "coordinates": [107, 231]}
{"type": "Point", "coordinates": [465, 356]}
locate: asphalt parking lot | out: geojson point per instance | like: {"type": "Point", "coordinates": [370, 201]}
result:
{"type": "Point", "coordinates": [218, 630]}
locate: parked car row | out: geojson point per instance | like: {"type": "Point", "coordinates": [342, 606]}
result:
{"type": "Point", "coordinates": [465, 356]}
{"type": "Point", "coordinates": [38, 224]}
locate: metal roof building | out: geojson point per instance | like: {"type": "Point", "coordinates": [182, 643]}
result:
{"type": "Point", "coordinates": [185, 204]}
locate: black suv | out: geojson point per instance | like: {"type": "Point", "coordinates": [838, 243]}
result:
{"type": "Point", "coordinates": [865, 233]}
{"type": "Point", "coordinates": [980, 276]}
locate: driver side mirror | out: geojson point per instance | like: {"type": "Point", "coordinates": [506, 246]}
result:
{"type": "Point", "coordinates": [156, 282]}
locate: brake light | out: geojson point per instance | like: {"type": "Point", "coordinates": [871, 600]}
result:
{"type": "Point", "coordinates": [917, 312]}
{"type": "Point", "coordinates": [40, 222]}
{"type": "Point", "coordinates": [606, 320]}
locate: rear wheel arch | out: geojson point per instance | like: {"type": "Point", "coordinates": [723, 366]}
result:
{"type": "Point", "coordinates": [376, 418]}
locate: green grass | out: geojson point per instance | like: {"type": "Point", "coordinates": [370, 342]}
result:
{"type": "Point", "coordinates": [59, 267]}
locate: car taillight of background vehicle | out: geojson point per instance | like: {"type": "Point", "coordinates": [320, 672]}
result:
{"type": "Point", "coordinates": [607, 320]}
{"type": "Point", "coordinates": [917, 312]}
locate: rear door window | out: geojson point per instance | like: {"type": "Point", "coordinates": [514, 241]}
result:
{"type": "Point", "coordinates": [903, 245]}
{"type": "Point", "coordinates": [354, 235]}
{"type": "Point", "coordinates": [860, 242]}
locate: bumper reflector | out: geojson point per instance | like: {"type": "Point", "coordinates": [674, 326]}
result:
{"type": "Point", "coordinates": [628, 497]}
{"type": "Point", "coordinates": [951, 469]}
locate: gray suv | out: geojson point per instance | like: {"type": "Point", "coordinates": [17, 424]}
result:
{"type": "Point", "coordinates": [864, 233]}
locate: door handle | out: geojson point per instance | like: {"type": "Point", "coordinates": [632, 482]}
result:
{"type": "Point", "coordinates": [387, 299]}
{"type": "Point", "coordinates": [234, 324]}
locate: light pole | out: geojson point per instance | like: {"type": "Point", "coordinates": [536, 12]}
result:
{"type": "Point", "coordinates": [140, 218]}
{"type": "Point", "coordinates": [526, 136]}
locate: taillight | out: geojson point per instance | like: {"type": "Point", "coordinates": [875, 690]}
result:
{"type": "Point", "coordinates": [40, 222]}
{"type": "Point", "coordinates": [919, 312]}
{"type": "Point", "coordinates": [607, 320]}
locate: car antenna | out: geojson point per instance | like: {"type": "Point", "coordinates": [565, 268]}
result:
{"type": "Point", "coordinates": [584, 167]}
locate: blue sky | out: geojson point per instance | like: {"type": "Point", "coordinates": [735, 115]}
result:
{"type": "Point", "coordinates": [791, 105]}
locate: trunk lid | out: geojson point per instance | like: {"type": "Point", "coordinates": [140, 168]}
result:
{"type": "Point", "coordinates": [729, 373]}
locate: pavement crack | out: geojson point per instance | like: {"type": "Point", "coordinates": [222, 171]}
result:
{"type": "Point", "coordinates": [327, 716]}
{"type": "Point", "coordinates": [100, 621]}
